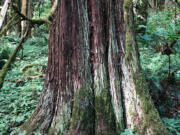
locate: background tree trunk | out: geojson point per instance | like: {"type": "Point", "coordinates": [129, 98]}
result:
{"type": "Point", "coordinates": [141, 13]}
{"type": "Point", "coordinates": [87, 72]}
{"type": "Point", "coordinates": [154, 5]}
{"type": "Point", "coordinates": [23, 11]}
{"type": "Point", "coordinates": [26, 9]}
{"type": "Point", "coordinates": [18, 25]}
{"type": "Point", "coordinates": [3, 12]}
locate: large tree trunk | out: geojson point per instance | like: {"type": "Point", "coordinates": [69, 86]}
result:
{"type": "Point", "coordinates": [87, 72]}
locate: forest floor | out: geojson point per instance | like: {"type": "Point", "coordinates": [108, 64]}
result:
{"type": "Point", "coordinates": [23, 84]}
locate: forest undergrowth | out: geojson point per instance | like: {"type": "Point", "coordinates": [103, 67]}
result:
{"type": "Point", "coordinates": [23, 82]}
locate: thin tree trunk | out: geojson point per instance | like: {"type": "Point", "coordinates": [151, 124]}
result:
{"type": "Point", "coordinates": [154, 5]}
{"type": "Point", "coordinates": [3, 12]}
{"type": "Point", "coordinates": [29, 13]}
{"type": "Point", "coordinates": [166, 4]}
{"type": "Point", "coordinates": [18, 25]}
{"type": "Point", "coordinates": [30, 10]}
{"type": "Point", "coordinates": [23, 11]}
{"type": "Point", "coordinates": [26, 9]}
{"type": "Point", "coordinates": [141, 14]}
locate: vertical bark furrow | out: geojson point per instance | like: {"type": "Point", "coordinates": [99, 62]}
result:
{"type": "Point", "coordinates": [93, 59]}
{"type": "Point", "coordinates": [105, 121]}
{"type": "Point", "coordinates": [114, 68]}
{"type": "Point", "coordinates": [120, 26]}
{"type": "Point", "coordinates": [82, 121]}
{"type": "Point", "coordinates": [67, 33]}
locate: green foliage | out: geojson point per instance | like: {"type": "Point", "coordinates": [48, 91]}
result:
{"type": "Point", "coordinates": [173, 125]}
{"type": "Point", "coordinates": [161, 30]}
{"type": "Point", "coordinates": [157, 65]}
{"type": "Point", "coordinates": [129, 132]}
{"type": "Point", "coordinates": [5, 52]}
{"type": "Point", "coordinates": [40, 33]}
{"type": "Point", "coordinates": [20, 94]}
{"type": "Point", "coordinates": [42, 8]}
{"type": "Point", "coordinates": [6, 47]}
{"type": "Point", "coordinates": [9, 40]}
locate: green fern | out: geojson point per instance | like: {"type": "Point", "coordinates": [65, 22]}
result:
{"type": "Point", "coordinates": [173, 125]}
{"type": "Point", "coordinates": [128, 132]}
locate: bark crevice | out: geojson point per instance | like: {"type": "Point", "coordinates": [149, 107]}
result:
{"type": "Point", "coordinates": [92, 58]}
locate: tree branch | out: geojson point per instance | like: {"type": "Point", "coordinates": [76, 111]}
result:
{"type": "Point", "coordinates": [32, 21]}
{"type": "Point", "coordinates": [45, 20]}
{"type": "Point", "coordinates": [10, 23]}
{"type": "Point", "coordinates": [12, 57]}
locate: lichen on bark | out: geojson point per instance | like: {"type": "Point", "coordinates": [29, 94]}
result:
{"type": "Point", "coordinates": [151, 116]}
{"type": "Point", "coordinates": [142, 116]}
{"type": "Point", "coordinates": [105, 114]}
{"type": "Point", "coordinates": [83, 115]}
{"type": "Point", "coordinates": [88, 70]}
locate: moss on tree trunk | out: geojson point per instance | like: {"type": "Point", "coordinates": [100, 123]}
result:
{"type": "Point", "coordinates": [89, 71]}
{"type": "Point", "coordinates": [141, 113]}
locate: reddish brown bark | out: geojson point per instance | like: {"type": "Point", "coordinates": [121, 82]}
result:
{"type": "Point", "coordinates": [86, 65]}
{"type": "Point", "coordinates": [77, 78]}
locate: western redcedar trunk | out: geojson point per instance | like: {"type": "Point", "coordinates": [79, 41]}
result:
{"type": "Point", "coordinates": [93, 62]}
